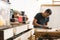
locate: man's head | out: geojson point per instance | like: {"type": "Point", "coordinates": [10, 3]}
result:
{"type": "Point", "coordinates": [47, 12]}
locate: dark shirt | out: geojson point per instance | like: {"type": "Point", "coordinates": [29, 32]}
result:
{"type": "Point", "coordinates": [40, 19]}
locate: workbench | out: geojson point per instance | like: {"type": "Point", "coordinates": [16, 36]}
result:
{"type": "Point", "coordinates": [15, 32]}
{"type": "Point", "coordinates": [46, 34]}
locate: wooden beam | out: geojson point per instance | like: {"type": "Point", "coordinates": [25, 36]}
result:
{"type": "Point", "coordinates": [50, 5]}
{"type": "Point", "coordinates": [52, 1]}
{"type": "Point", "coordinates": [56, 1]}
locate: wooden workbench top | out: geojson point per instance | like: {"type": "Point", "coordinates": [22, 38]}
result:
{"type": "Point", "coordinates": [47, 32]}
{"type": "Point", "coordinates": [10, 26]}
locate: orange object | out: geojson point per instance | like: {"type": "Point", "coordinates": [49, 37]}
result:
{"type": "Point", "coordinates": [20, 19]}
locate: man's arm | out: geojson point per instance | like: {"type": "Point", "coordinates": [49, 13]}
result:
{"type": "Point", "coordinates": [35, 23]}
{"type": "Point", "coordinates": [46, 22]}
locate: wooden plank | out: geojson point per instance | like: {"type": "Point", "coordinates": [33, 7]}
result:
{"type": "Point", "coordinates": [56, 1]}
{"type": "Point", "coordinates": [50, 5]}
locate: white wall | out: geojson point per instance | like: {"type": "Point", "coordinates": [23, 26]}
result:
{"type": "Point", "coordinates": [31, 7]}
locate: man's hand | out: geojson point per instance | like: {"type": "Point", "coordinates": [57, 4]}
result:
{"type": "Point", "coordinates": [45, 27]}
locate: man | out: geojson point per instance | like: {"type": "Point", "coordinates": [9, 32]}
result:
{"type": "Point", "coordinates": [41, 19]}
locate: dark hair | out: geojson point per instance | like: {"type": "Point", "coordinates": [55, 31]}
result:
{"type": "Point", "coordinates": [48, 11]}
